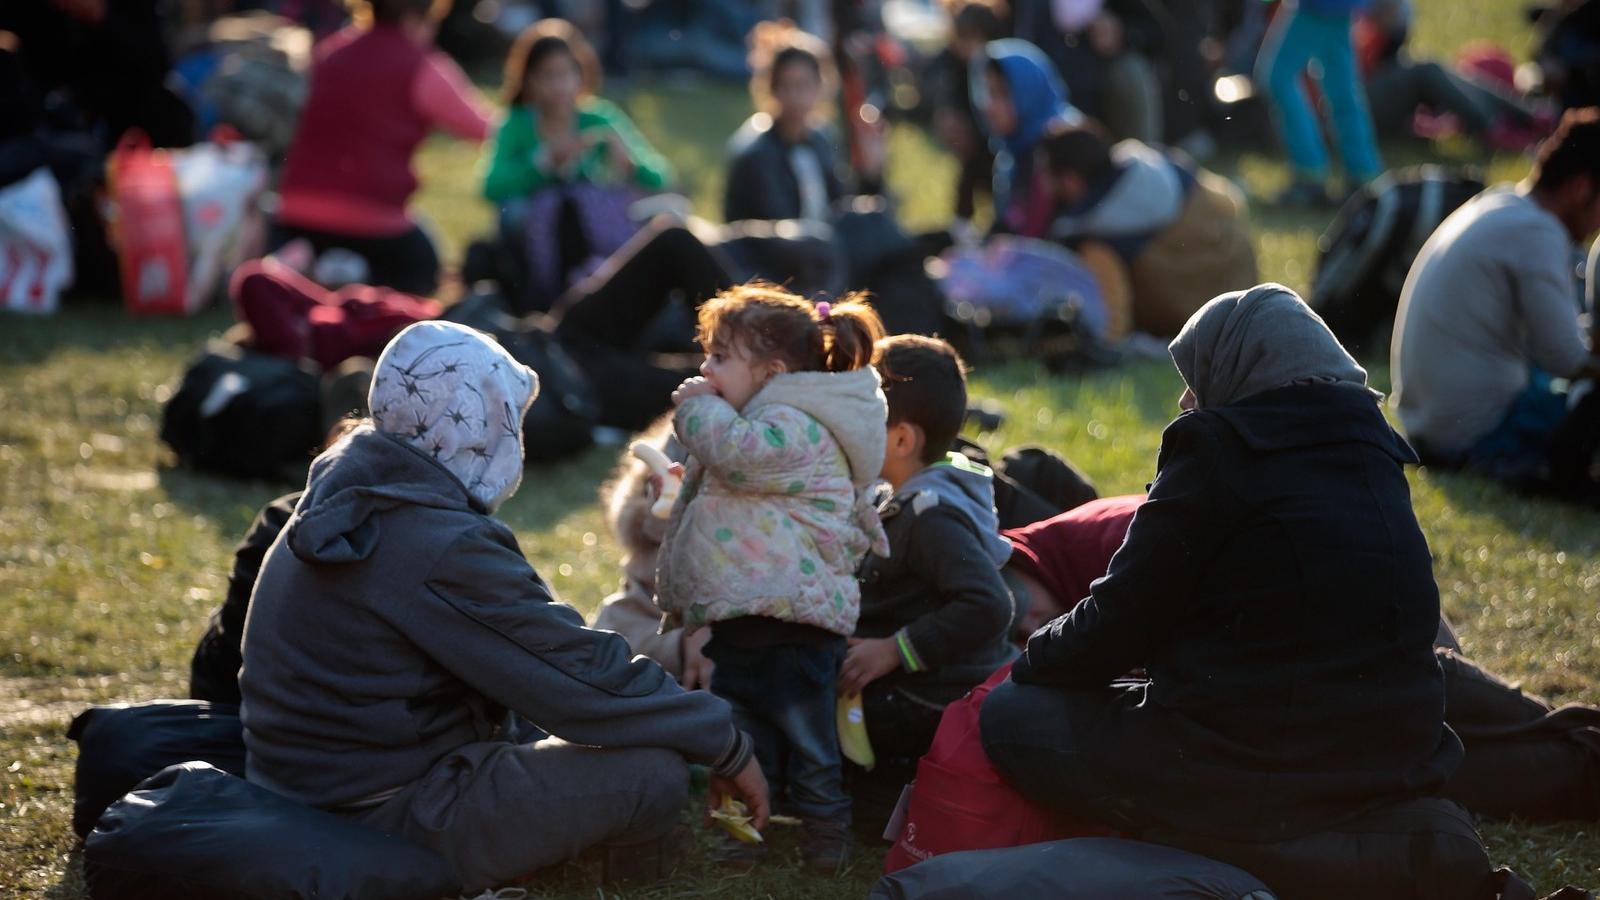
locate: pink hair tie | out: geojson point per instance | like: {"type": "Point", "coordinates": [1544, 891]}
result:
{"type": "Point", "coordinates": [824, 310]}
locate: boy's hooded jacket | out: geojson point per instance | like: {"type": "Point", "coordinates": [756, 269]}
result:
{"type": "Point", "coordinates": [776, 510]}
{"type": "Point", "coordinates": [939, 593]}
{"type": "Point", "coordinates": [394, 620]}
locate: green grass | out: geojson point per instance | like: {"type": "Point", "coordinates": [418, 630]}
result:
{"type": "Point", "coordinates": [110, 560]}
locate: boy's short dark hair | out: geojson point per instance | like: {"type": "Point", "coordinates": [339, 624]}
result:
{"type": "Point", "coordinates": [1082, 149]}
{"type": "Point", "coordinates": [926, 383]}
{"type": "Point", "coordinates": [1571, 151]}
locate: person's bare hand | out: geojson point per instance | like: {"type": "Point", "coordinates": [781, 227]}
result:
{"type": "Point", "coordinates": [867, 660]}
{"type": "Point", "coordinates": [1105, 34]}
{"type": "Point", "coordinates": [748, 787]}
{"type": "Point", "coordinates": [563, 150]}
{"type": "Point", "coordinates": [696, 665]}
{"type": "Point", "coordinates": [692, 387]}
{"type": "Point", "coordinates": [621, 160]}
{"type": "Point", "coordinates": [653, 490]}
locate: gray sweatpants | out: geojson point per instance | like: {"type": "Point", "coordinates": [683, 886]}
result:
{"type": "Point", "coordinates": [498, 811]}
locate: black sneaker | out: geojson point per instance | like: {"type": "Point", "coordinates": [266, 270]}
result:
{"type": "Point", "coordinates": [827, 848]}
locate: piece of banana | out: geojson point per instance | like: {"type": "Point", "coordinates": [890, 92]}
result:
{"type": "Point", "coordinates": [735, 819]}
{"type": "Point", "coordinates": [660, 466]}
{"type": "Point", "coordinates": [853, 733]}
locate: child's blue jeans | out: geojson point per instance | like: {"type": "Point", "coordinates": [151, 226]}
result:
{"type": "Point", "coordinates": [783, 696]}
{"type": "Point", "coordinates": [1298, 37]}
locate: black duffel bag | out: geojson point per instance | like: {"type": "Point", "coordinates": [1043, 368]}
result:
{"type": "Point", "coordinates": [243, 413]}
{"type": "Point", "coordinates": [194, 832]}
{"type": "Point", "coordinates": [122, 745]}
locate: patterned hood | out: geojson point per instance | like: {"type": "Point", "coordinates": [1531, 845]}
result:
{"type": "Point", "coordinates": [456, 395]}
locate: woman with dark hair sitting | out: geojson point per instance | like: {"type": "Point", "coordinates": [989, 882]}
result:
{"type": "Point", "coordinates": [558, 133]}
{"type": "Point", "coordinates": [377, 89]}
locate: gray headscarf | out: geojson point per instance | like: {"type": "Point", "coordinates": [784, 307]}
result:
{"type": "Point", "coordinates": [459, 397]}
{"type": "Point", "coordinates": [1247, 342]}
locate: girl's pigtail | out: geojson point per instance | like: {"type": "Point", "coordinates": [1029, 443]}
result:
{"type": "Point", "coordinates": [850, 329]}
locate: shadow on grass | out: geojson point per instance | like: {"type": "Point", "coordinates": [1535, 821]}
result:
{"type": "Point", "coordinates": [100, 327]}
{"type": "Point", "coordinates": [1548, 523]}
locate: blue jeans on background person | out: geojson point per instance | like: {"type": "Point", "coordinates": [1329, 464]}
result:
{"type": "Point", "coordinates": [783, 696]}
{"type": "Point", "coordinates": [1296, 39]}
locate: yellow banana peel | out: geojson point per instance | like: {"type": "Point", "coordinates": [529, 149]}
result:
{"type": "Point", "coordinates": [853, 733]}
{"type": "Point", "coordinates": [735, 819]}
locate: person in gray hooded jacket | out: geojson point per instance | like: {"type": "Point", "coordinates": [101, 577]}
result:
{"type": "Point", "coordinates": [395, 622]}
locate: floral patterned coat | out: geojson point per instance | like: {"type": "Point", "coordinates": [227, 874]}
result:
{"type": "Point", "coordinates": [776, 509]}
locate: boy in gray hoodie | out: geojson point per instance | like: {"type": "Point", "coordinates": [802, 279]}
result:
{"type": "Point", "coordinates": [935, 611]}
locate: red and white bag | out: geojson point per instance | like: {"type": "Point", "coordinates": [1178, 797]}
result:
{"type": "Point", "coordinates": [182, 219]}
{"type": "Point", "coordinates": [959, 801]}
{"type": "Point", "coordinates": [35, 245]}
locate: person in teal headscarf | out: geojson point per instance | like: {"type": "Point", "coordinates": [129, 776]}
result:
{"type": "Point", "coordinates": [1018, 93]}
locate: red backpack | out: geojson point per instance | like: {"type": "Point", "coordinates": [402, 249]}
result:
{"type": "Point", "coordinates": [959, 801]}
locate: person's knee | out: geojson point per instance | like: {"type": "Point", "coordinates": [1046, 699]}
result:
{"type": "Point", "coordinates": [663, 785]}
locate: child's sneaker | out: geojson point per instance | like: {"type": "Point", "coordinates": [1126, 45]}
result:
{"type": "Point", "coordinates": [827, 848]}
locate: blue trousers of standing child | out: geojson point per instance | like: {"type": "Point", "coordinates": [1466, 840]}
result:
{"type": "Point", "coordinates": [1298, 37]}
{"type": "Point", "coordinates": [783, 696]}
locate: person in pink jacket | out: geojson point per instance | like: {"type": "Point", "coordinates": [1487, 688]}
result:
{"type": "Point", "coordinates": [785, 435]}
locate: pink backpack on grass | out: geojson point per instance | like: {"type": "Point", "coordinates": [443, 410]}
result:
{"type": "Point", "coordinates": [959, 801]}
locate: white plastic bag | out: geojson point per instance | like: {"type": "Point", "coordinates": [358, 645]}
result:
{"type": "Point", "coordinates": [35, 245]}
{"type": "Point", "coordinates": [220, 186]}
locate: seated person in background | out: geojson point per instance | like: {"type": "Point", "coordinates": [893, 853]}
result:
{"type": "Point", "coordinates": [1281, 479]}
{"type": "Point", "coordinates": [782, 162]}
{"type": "Point", "coordinates": [1019, 94]}
{"type": "Point", "coordinates": [934, 612]}
{"type": "Point", "coordinates": [376, 91]}
{"type": "Point", "coordinates": [1489, 315]}
{"type": "Point", "coordinates": [1178, 230]}
{"type": "Point", "coordinates": [1397, 84]}
{"type": "Point", "coordinates": [973, 23]}
{"type": "Point", "coordinates": [1104, 51]}
{"type": "Point", "coordinates": [558, 130]}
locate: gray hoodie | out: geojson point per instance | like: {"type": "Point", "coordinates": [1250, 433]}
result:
{"type": "Point", "coordinates": [393, 622]}
{"type": "Point", "coordinates": [1147, 196]}
{"type": "Point", "coordinates": [938, 592]}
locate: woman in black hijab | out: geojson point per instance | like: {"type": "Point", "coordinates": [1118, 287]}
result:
{"type": "Point", "coordinates": [1274, 596]}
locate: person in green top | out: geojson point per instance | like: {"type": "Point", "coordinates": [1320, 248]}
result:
{"type": "Point", "coordinates": [557, 130]}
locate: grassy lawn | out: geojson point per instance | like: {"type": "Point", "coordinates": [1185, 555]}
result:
{"type": "Point", "coordinates": [110, 560]}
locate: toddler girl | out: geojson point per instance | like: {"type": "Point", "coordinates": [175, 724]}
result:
{"type": "Point", "coordinates": [785, 434]}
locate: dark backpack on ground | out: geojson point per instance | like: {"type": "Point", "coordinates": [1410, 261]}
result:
{"type": "Point", "coordinates": [1525, 759]}
{"type": "Point", "coordinates": [122, 745]}
{"type": "Point", "coordinates": [243, 413]}
{"type": "Point", "coordinates": [1363, 257]}
{"type": "Point", "coordinates": [194, 832]}
{"type": "Point", "coordinates": [562, 418]}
